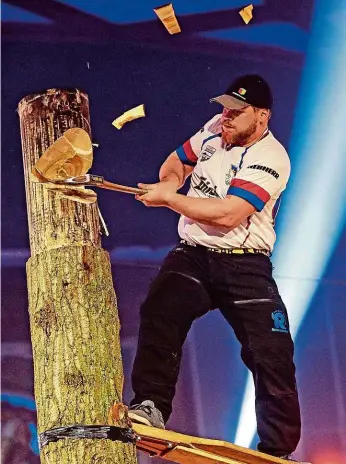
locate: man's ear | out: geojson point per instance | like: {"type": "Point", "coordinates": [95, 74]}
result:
{"type": "Point", "coordinates": [265, 115]}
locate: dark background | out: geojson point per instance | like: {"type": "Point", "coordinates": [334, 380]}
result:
{"type": "Point", "coordinates": [123, 58]}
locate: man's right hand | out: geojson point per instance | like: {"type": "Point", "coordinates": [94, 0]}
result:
{"type": "Point", "coordinates": [157, 194]}
{"type": "Point", "coordinates": [171, 185]}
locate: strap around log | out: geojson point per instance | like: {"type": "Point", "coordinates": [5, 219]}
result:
{"type": "Point", "coordinates": [125, 435]}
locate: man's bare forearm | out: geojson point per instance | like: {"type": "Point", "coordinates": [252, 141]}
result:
{"type": "Point", "coordinates": [174, 171]}
{"type": "Point", "coordinates": [209, 211]}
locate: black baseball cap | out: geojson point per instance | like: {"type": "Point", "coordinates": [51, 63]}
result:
{"type": "Point", "coordinates": [245, 91]}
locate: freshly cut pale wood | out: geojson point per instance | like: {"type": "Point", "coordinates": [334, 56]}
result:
{"type": "Point", "coordinates": [185, 455]}
{"type": "Point", "coordinates": [167, 16]}
{"type": "Point", "coordinates": [71, 155]}
{"type": "Point", "coordinates": [130, 115]}
{"type": "Point", "coordinates": [78, 194]}
{"type": "Point", "coordinates": [164, 442]}
{"type": "Point", "coordinates": [246, 13]}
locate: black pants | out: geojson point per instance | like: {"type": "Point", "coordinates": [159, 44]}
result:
{"type": "Point", "coordinates": [192, 281]}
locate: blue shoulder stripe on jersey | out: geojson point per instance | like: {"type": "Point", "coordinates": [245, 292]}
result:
{"type": "Point", "coordinates": [248, 196]}
{"type": "Point", "coordinates": [183, 158]}
{"type": "Point", "coordinates": [209, 138]}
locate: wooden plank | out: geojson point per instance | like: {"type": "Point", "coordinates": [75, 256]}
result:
{"type": "Point", "coordinates": [181, 454]}
{"type": "Point", "coordinates": [164, 442]}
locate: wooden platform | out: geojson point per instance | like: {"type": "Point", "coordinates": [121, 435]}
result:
{"type": "Point", "coordinates": [186, 449]}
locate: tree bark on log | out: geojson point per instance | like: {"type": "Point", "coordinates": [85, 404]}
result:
{"type": "Point", "coordinates": [72, 304]}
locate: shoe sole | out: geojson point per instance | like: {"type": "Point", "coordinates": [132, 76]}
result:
{"type": "Point", "coordinates": [139, 419]}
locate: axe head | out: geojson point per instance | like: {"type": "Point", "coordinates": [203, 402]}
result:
{"type": "Point", "coordinates": [84, 180]}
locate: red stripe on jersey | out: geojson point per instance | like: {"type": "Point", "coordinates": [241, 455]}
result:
{"type": "Point", "coordinates": [251, 187]}
{"type": "Point", "coordinates": [189, 152]}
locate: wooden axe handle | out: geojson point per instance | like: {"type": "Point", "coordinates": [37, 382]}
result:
{"type": "Point", "coordinates": [121, 188]}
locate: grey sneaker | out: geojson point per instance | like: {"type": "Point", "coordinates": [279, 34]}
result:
{"type": "Point", "coordinates": [288, 457]}
{"type": "Point", "coordinates": [146, 413]}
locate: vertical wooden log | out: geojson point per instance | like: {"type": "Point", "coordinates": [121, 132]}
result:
{"type": "Point", "coordinates": [73, 313]}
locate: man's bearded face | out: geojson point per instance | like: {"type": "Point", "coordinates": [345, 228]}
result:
{"type": "Point", "coordinates": [238, 125]}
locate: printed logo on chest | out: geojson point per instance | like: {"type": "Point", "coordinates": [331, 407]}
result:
{"type": "Point", "coordinates": [203, 185]}
{"type": "Point", "coordinates": [207, 152]}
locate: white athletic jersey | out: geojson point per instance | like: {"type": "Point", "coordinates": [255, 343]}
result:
{"type": "Point", "coordinates": [258, 174]}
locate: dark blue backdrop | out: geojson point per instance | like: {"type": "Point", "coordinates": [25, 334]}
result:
{"type": "Point", "coordinates": [122, 66]}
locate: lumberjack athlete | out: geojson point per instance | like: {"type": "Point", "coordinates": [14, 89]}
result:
{"type": "Point", "coordinates": [238, 173]}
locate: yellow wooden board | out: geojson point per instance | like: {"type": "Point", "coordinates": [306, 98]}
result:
{"type": "Point", "coordinates": [182, 454]}
{"type": "Point", "coordinates": [187, 449]}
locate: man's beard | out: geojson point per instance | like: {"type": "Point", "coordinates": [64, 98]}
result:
{"type": "Point", "coordinates": [239, 138]}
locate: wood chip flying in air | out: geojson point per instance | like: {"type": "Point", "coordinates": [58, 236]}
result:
{"type": "Point", "coordinates": [167, 16]}
{"type": "Point", "coordinates": [246, 13]}
{"type": "Point", "coordinates": [130, 115]}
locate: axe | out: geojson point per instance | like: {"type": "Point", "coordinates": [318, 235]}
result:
{"type": "Point", "coordinates": [92, 180]}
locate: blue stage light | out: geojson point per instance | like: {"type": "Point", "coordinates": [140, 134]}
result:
{"type": "Point", "coordinates": [314, 213]}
